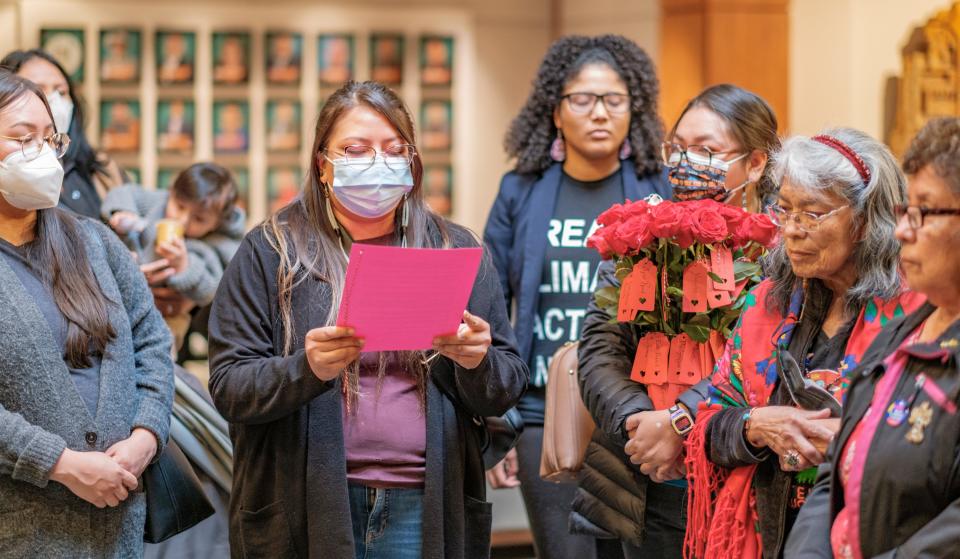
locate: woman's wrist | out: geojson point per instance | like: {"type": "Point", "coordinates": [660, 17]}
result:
{"type": "Point", "coordinates": [750, 434]}
{"type": "Point", "coordinates": [146, 439]}
{"type": "Point", "coordinates": [63, 468]}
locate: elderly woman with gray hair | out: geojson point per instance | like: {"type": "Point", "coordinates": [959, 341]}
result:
{"type": "Point", "coordinates": [775, 395]}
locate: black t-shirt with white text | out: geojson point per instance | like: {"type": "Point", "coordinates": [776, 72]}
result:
{"type": "Point", "coordinates": [568, 280]}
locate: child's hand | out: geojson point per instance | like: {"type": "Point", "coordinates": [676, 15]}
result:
{"type": "Point", "coordinates": [125, 222]}
{"type": "Point", "coordinates": [175, 252]}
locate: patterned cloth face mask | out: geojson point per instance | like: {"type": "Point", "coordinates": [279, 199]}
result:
{"type": "Point", "coordinates": [695, 177]}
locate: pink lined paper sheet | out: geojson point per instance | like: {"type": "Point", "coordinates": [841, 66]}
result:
{"type": "Point", "coordinates": [400, 299]}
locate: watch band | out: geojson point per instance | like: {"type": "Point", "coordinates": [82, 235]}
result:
{"type": "Point", "coordinates": [680, 420]}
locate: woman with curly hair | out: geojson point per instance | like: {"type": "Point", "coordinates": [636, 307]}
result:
{"type": "Point", "coordinates": [587, 137]}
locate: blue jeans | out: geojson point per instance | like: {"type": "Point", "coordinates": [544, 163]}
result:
{"type": "Point", "coordinates": [387, 523]}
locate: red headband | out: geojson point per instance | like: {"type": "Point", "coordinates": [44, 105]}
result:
{"type": "Point", "coordinates": [845, 151]}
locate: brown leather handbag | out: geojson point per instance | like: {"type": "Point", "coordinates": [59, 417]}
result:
{"type": "Point", "coordinates": [567, 425]}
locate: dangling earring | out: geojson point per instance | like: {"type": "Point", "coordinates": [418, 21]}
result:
{"type": "Point", "coordinates": [404, 221]}
{"type": "Point", "coordinates": [625, 150]}
{"type": "Point", "coordinates": [558, 151]}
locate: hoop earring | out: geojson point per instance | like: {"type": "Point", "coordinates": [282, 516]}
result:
{"type": "Point", "coordinates": [558, 150]}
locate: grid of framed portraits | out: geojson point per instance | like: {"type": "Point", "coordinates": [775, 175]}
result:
{"type": "Point", "coordinates": [119, 113]}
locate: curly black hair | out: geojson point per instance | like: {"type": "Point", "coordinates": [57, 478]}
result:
{"type": "Point", "coordinates": [937, 144]}
{"type": "Point", "coordinates": [532, 131]}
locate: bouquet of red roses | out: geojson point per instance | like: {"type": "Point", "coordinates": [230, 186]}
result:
{"type": "Point", "coordinates": [685, 269]}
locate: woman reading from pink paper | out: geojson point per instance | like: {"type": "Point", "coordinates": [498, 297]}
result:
{"type": "Point", "coordinates": [831, 284]}
{"type": "Point", "coordinates": [727, 133]}
{"type": "Point", "coordinates": [336, 451]}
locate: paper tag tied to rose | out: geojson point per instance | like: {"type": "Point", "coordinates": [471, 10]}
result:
{"type": "Point", "coordinates": [721, 264]}
{"type": "Point", "coordinates": [684, 365]}
{"type": "Point", "coordinates": [638, 291]}
{"type": "Point", "coordinates": [651, 362]}
{"type": "Point", "coordinates": [695, 280]}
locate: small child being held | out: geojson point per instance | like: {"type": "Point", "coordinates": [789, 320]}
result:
{"type": "Point", "coordinates": [202, 204]}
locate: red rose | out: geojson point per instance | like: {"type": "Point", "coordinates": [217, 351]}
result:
{"type": "Point", "coordinates": [708, 225]}
{"type": "Point", "coordinates": [732, 215]}
{"type": "Point", "coordinates": [758, 228]}
{"type": "Point", "coordinates": [635, 233]}
{"type": "Point", "coordinates": [685, 233]}
{"type": "Point", "coordinates": [638, 208]}
{"type": "Point", "coordinates": [598, 242]}
{"type": "Point", "coordinates": [612, 215]}
{"type": "Point", "coordinates": [666, 220]}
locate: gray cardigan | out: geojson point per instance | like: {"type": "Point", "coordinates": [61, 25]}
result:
{"type": "Point", "coordinates": [209, 256]}
{"type": "Point", "coordinates": [41, 412]}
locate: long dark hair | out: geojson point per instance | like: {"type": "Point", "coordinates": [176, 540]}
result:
{"type": "Point", "coordinates": [533, 130]}
{"type": "Point", "coordinates": [752, 123]}
{"type": "Point", "coordinates": [58, 254]}
{"type": "Point", "coordinates": [307, 241]}
{"type": "Point", "coordinates": [80, 152]}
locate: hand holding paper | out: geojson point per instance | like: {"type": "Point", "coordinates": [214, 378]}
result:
{"type": "Point", "coordinates": [469, 345]}
{"type": "Point", "coordinates": [330, 349]}
{"type": "Point", "coordinates": [401, 299]}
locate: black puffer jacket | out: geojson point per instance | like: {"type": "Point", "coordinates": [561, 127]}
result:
{"type": "Point", "coordinates": [611, 499]}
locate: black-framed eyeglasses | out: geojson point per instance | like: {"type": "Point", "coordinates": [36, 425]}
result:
{"type": "Point", "coordinates": [673, 153]}
{"type": "Point", "coordinates": [916, 214]}
{"type": "Point", "coordinates": [32, 144]}
{"type": "Point", "coordinates": [397, 157]}
{"type": "Point", "coordinates": [583, 102]}
{"type": "Point", "coordinates": [808, 222]}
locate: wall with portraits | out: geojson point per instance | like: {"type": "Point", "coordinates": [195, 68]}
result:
{"type": "Point", "coordinates": [186, 81]}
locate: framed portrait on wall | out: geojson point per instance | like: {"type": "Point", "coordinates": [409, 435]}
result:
{"type": "Point", "coordinates": [438, 188]}
{"type": "Point", "coordinates": [386, 58]}
{"type": "Point", "coordinates": [283, 185]}
{"type": "Point", "coordinates": [284, 53]}
{"type": "Point", "coordinates": [119, 55]}
{"type": "Point", "coordinates": [231, 58]}
{"type": "Point", "coordinates": [283, 125]}
{"type": "Point", "coordinates": [175, 120]}
{"type": "Point", "coordinates": [166, 176]}
{"type": "Point", "coordinates": [176, 53]}
{"type": "Point", "coordinates": [435, 127]}
{"type": "Point", "coordinates": [436, 60]}
{"type": "Point", "coordinates": [67, 46]}
{"type": "Point", "coordinates": [335, 58]}
{"type": "Point", "coordinates": [231, 126]}
{"type": "Point", "coordinates": [120, 125]}
{"type": "Point", "coordinates": [241, 177]}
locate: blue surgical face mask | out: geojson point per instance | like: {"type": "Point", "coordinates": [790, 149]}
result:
{"type": "Point", "coordinates": [371, 189]}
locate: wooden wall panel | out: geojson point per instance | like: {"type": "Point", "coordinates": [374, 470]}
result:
{"type": "Point", "coordinates": [706, 42]}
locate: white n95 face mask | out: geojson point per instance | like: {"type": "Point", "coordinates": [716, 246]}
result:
{"type": "Point", "coordinates": [371, 191]}
{"type": "Point", "coordinates": [62, 108]}
{"type": "Point", "coordinates": [34, 184]}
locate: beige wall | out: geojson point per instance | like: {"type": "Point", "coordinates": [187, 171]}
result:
{"type": "Point", "coordinates": [638, 20]}
{"type": "Point", "coordinates": [841, 54]}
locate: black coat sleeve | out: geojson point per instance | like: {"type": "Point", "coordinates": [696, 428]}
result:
{"type": "Point", "coordinates": [810, 535]}
{"type": "Point", "coordinates": [249, 381]}
{"type": "Point", "coordinates": [605, 358]}
{"type": "Point", "coordinates": [498, 236]}
{"type": "Point", "coordinates": [497, 384]}
{"type": "Point", "coordinates": [727, 446]}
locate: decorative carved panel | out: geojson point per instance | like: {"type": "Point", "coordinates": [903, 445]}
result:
{"type": "Point", "coordinates": [929, 86]}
